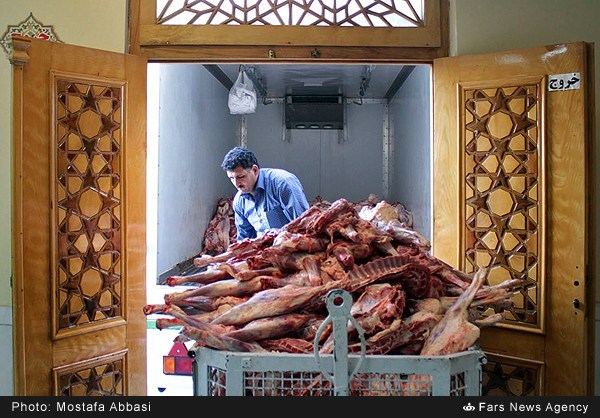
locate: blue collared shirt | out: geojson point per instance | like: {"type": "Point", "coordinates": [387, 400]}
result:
{"type": "Point", "coordinates": [278, 199]}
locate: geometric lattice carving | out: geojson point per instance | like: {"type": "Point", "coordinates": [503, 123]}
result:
{"type": "Point", "coordinates": [363, 13]}
{"type": "Point", "coordinates": [88, 130]}
{"type": "Point", "coordinates": [503, 191]}
{"type": "Point", "coordinates": [506, 377]}
{"type": "Point", "coordinates": [100, 377]}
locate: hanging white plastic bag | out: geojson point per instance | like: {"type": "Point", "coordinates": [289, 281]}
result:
{"type": "Point", "coordinates": [242, 96]}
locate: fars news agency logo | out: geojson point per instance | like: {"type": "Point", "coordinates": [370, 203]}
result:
{"type": "Point", "coordinates": [468, 407]}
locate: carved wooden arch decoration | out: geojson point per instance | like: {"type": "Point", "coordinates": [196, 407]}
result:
{"type": "Point", "coordinates": [266, 31]}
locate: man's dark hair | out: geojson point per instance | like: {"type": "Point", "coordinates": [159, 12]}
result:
{"type": "Point", "coordinates": [239, 157]}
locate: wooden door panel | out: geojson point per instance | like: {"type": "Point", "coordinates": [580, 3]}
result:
{"type": "Point", "coordinates": [80, 220]}
{"type": "Point", "coordinates": [511, 193]}
{"type": "Point", "coordinates": [87, 290]}
{"type": "Point", "coordinates": [503, 166]}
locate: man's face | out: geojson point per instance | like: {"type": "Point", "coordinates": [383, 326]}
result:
{"type": "Point", "coordinates": [244, 179]}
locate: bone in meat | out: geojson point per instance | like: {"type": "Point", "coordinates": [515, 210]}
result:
{"type": "Point", "coordinates": [401, 332]}
{"type": "Point", "coordinates": [288, 345]}
{"type": "Point", "coordinates": [347, 252]}
{"type": "Point", "coordinates": [383, 299]}
{"type": "Point", "coordinates": [269, 328]}
{"type": "Point", "coordinates": [162, 323]}
{"type": "Point", "coordinates": [336, 211]}
{"type": "Point", "coordinates": [364, 275]}
{"type": "Point", "coordinates": [385, 217]}
{"type": "Point", "coordinates": [209, 275]}
{"type": "Point", "coordinates": [206, 304]}
{"type": "Point", "coordinates": [218, 341]}
{"type": "Point", "coordinates": [238, 250]}
{"type": "Point", "coordinates": [415, 280]}
{"type": "Point", "coordinates": [243, 270]}
{"type": "Point", "coordinates": [454, 333]}
{"type": "Point", "coordinates": [291, 242]}
{"type": "Point", "coordinates": [300, 278]}
{"type": "Point", "coordinates": [272, 302]}
{"type": "Point", "coordinates": [231, 287]}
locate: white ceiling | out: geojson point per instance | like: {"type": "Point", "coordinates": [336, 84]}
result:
{"type": "Point", "coordinates": [281, 79]}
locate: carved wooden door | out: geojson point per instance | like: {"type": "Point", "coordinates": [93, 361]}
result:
{"type": "Point", "coordinates": [79, 118]}
{"type": "Point", "coordinates": [512, 174]}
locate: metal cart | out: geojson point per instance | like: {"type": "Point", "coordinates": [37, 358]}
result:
{"type": "Point", "coordinates": [224, 373]}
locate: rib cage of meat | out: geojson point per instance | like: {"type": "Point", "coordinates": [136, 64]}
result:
{"type": "Point", "coordinates": [275, 283]}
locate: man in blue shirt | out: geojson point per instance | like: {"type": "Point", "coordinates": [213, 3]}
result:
{"type": "Point", "coordinates": [266, 197]}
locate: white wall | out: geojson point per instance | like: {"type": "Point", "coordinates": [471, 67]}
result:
{"type": "Point", "coordinates": [195, 132]}
{"type": "Point", "coordinates": [411, 117]}
{"type": "Point", "coordinates": [326, 167]}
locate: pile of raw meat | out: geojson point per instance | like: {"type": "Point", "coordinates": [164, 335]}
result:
{"type": "Point", "coordinates": [268, 293]}
{"type": "Point", "coordinates": [221, 230]}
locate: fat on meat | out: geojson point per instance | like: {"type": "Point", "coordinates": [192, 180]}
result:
{"type": "Point", "coordinates": [269, 293]}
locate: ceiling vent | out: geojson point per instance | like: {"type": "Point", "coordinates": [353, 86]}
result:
{"type": "Point", "coordinates": [314, 112]}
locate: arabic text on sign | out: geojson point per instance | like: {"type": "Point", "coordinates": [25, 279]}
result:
{"type": "Point", "coordinates": [561, 82]}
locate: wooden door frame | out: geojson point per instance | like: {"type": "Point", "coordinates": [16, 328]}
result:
{"type": "Point", "coordinates": [40, 357]}
{"type": "Point", "coordinates": [175, 46]}
{"type": "Point", "coordinates": [570, 292]}
{"type": "Point", "coordinates": [18, 59]}
{"type": "Point", "coordinates": [170, 43]}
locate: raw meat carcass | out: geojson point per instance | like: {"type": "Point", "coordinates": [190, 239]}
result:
{"type": "Point", "coordinates": [271, 327]}
{"type": "Point", "coordinates": [268, 293]}
{"type": "Point", "coordinates": [454, 333]}
{"type": "Point", "coordinates": [217, 236]}
{"type": "Point", "coordinates": [385, 217]}
{"type": "Point", "coordinates": [272, 302]}
{"type": "Point", "coordinates": [221, 231]}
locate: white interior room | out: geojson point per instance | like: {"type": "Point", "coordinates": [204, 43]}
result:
{"type": "Point", "coordinates": [376, 139]}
